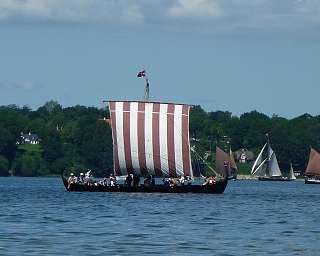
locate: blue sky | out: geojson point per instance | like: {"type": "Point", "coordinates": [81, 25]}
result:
{"type": "Point", "coordinates": [235, 55]}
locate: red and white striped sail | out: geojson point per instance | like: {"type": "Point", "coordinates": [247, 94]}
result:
{"type": "Point", "coordinates": [150, 138]}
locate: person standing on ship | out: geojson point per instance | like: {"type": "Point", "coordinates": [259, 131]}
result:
{"type": "Point", "coordinates": [128, 180]}
{"type": "Point", "coordinates": [113, 180]}
{"type": "Point", "coordinates": [182, 180]}
{"type": "Point", "coordinates": [106, 181]}
{"type": "Point", "coordinates": [71, 180]}
{"type": "Point", "coordinates": [136, 180]}
{"type": "Point", "coordinates": [81, 178]}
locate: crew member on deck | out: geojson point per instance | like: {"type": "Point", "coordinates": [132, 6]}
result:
{"type": "Point", "coordinates": [81, 178]}
{"type": "Point", "coordinates": [128, 180]}
{"type": "Point", "coordinates": [182, 180]}
{"type": "Point", "coordinates": [113, 180]}
{"type": "Point", "coordinates": [147, 181]}
{"type": "Point", "coordinates": [89, 178]}
{"type": "Point", "coordinates": [210, 181]}
{"type": "Point", "coordinates": [165, 182]}
{"type": "Point", "coordinates": [189, 180]}
{"type": "Point", "coordinates": [106, 181]}
{"type": "Point", "coordinates": [71, 180]}
{"type": "Point", "coordinates": [136, 181]}
{"type": "Point", "coordinates": [172, 182]}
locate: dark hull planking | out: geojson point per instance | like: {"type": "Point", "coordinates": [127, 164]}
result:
{"type": "Point", "coordinates": [217, 188]}
{"type": "Point", "coordinates": [234, 177]}
{"type": "Point", "coordinates": [307, 181]}
{"type": "Point", "coordinates": [274, 179]}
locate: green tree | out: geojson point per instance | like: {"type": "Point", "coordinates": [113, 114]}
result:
{"type": "Point", "coordinates": [52, 106]}
{"type": "Point", "coordinates": [29, 165]}
{"type": "Point", "coordinates": [4, 166]}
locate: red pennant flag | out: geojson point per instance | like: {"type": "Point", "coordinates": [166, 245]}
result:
{"type": "Point", "coordinates": [141, 73]}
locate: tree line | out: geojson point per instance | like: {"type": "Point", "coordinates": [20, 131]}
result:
{"type": "Point", "coordinates": [75, 138]}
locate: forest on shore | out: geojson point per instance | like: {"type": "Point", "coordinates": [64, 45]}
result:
{"type": "Point", "coordinates": [76, 138]}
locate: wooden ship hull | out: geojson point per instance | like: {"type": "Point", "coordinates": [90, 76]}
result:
{"type": "Point", "coordinates": [217, 188]}
{"type": "Point", "coordinates": [233, 177]}
{"type": "Point", "coordinates": [311, 181]}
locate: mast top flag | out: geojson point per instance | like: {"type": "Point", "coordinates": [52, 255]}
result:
{"type": "Point", "coordinates": [143, 74]}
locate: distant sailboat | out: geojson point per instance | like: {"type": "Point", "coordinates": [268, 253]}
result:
{"type": "Point", "coordinates": [225, 163]}
{"type": "Point", "coordinates": [291, 173]}
{"type": "Point", "coordinates": [312, 173]}
{"type": "Point", "coordinates": [233, 165]}
{"type": "Point", "coordinates": [266, 166]}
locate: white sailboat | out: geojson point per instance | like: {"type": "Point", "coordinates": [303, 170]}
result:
{"type": "Point", "coordinates": [266, 166]}
{"type": "Point", "coordinates": [291, 174]}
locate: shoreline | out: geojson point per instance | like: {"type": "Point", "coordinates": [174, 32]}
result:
{"type": "Point", "coordinates": [249, 177]}
{"type": "Point", "coordinates": [246, 177]}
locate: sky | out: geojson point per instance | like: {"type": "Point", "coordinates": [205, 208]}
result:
{"type": "Point", "coordinates": [230, 55]}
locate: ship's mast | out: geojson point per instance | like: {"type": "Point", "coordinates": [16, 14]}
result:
{"type": "Point", "coordinates": [146, 90]}
{"type": "Point", "coordinates": [143, 74]}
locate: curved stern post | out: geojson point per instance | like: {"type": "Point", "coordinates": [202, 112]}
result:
{"type": "Point", "coordinates": [64, 180]}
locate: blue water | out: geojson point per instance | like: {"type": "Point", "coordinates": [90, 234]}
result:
{"type": "Point", "coordinates": [38, 217]}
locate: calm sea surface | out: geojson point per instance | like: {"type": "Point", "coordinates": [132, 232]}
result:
{"type": "Point", "coordinates": [38, 217]}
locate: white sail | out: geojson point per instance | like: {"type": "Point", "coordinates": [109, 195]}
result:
{"type": "Point", "coordinates": [150, 138]}
{"type": "Point", "coordinates": [291, 175]}
{"type": "Point", "coordinates": [261, 169]}
{"type": "Point", "coordinates": [273, 166]}
{"type": "Point", "coordinates": [258, 161]}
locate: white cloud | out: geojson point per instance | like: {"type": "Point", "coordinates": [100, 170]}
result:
{"type": "Point", "coordinates": [308, 8]}
{"type": "Point", "coordinates": [208, 15]}
{"type": "Point", "coordinates": [132, 14]}
{"type": "Point", "coordinates": [243, 15]}
{"type": "Point", "coordinates": [196, 9]}
{"type": "Point", "coordinates": [72, 10]}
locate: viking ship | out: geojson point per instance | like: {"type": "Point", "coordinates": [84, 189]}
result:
{"type": "Point", "coordinates": [151, 139]}
{"type": "Point", "coordinates": [225, 163]}
{"type": "Point", "coordinates": [312, 173]}
{"type": "Point", "coordinates": [266, 166]}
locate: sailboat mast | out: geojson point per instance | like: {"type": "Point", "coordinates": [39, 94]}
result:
{"type": "Point", "coordinates": [268, 156]}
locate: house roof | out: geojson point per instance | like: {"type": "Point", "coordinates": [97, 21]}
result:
{"type": "Point", "coordinates": [249, 154]}
{"type": "Point", "coordinates": [30, 136]}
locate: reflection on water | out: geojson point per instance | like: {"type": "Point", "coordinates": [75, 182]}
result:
{"type": "Point", "coordinates": [38, 217]}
